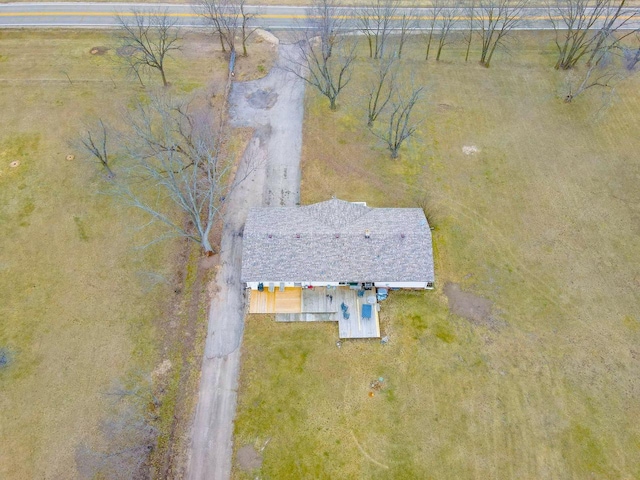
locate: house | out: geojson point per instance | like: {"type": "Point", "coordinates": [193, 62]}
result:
{"type": "Point", "coordinates": [333, 247]}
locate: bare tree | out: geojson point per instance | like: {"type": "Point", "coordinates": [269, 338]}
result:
{"type": "Point", "coordinates": [632, 55]}
{"type": "Point", "coordinates": [594, 76]}
{"type": "Point", "coordinates": [471, 15]}
{"type": "Point", "coordinates": [408, 22]}
{"type": "Point", "coordinates": [583, 26]}
{"type": "Point", "coordinates": [496, 19]}
{"type": "Point", "coordinates": [450, 17]}
{"type": "Point", "coordinates": [381, 89]}
{"type": "Point", "coordinates": [229, 19]}
{"type": "Point", "coordinates": [436, 10]}
{"type": "Point", "coordinates": [148, 39]}
{"type": "Point", "coordinates": [174, 168]}
{"type": "Point", "coordinates": [127, 437]}
{"type": "Point", "coordinates": [399, 125]}
{"type": "Point", "coordinates": [604, 71]}
{"type": "Point", "coordinates": [326, 20]}
{"type": "Point", "coordinates": [610, 34]}
{"type": "Point", "coordinates": [324, 57]}
{"type": "Point", "coordinates": [95, 144]}
{"type": "Point", "coordinates": [375, 23]}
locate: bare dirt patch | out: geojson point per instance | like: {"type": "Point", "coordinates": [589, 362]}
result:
{"type": "Point", "coordinates": [98, 50]}
{"type": "Point", "coordinates": [249, 459]}
{"type": "Point", "coordinates": [209, 262]}
{"type": "Point", "coordinates": [470, 306]}
{"type": "Point", "coordinates": [162, 369]}
{"type": "Point", "coordinates": [263, 99]}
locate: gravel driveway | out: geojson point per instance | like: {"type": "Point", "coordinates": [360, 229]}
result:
{"type": "Point", "coordinates": [272, 105]}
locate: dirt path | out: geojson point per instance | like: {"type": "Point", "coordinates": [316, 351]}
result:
{"type": "Point", "coordinates": [274, 106]}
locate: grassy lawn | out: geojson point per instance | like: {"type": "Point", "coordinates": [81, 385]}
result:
{"type": "Point", "coordinates": [81, 306]}
{"type": "Point", "coordinates": [543, 222]}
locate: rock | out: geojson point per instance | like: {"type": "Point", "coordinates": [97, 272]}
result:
{"type": "Point", "coordinates": [266, 36]}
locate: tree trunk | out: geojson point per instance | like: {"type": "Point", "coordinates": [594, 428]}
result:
{"type": "Point", "coordinates": [332, 104]}
{"type": "Point", "coordinates": [222, 42]}
{"type": "Point", "coordinates": [394, 152]}
{"type": "Point", "coordinates": [244, 36]}
{"type": "Point", "coordinates": [139, 77]}
{"type": "Point", "coordinates": [426, 57]}
{"type": "Point", "coordinates": [164, 78]}
{"type": "Point", "coordinates": [110, 174]}
{"type": "Point", "coordinates": [488, 60]}
{"type": "Point", "coordinates": [466, 57]}
{"type": "Point", "coordinates": [206, 245]}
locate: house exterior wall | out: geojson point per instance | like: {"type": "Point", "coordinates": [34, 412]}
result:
{"type": "Point", "coordinates": [254, 285]}
{"type": "Point", "coordinates": [411, 285]}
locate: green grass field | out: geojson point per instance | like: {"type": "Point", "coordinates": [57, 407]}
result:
{"type": "Point", "coordinates": [81, 305]}
{"type": "Point", "coordinates": [543, 222]}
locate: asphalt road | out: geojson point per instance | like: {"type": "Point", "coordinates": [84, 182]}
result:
{"type": "Point", "coordinates": [96, 15]}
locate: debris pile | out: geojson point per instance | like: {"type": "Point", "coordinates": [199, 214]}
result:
{"type": "Point", "coordinates": [376, 386]}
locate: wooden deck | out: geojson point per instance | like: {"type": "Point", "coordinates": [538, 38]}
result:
{"type": "Point", "coordinates": [321, 304]}
{"type": "Point", "coordinates": [356, 326]}
{"type": "Point", "coordinates": [288, 301]}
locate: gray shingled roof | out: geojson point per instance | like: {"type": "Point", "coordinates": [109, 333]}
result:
{"type": "Point", "coordinates": [326, 242]}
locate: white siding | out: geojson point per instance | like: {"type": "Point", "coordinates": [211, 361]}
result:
{"type": "Point", "coordinates": [276, 285]}
{"type": "Point", "coordinates": [416, 285]}
{"type": "Point", "coordinates": [254, 285]}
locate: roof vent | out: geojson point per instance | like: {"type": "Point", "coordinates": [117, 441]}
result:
{"type": "Point", "coordinates": [270, 236]}
{"type": "Point", "coordinates": [337, 235]}
{"type": "Point", "coordinates": [297, 235]}
{"type": "Point", "coordinates": [367, 233]}
{"type": "Point", "coordinates": [402, 235]}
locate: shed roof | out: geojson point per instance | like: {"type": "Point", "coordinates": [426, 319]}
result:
{"type": "Point", "coordinates": [326, 242]}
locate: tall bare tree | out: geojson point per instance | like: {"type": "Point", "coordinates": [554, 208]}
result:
{"type": "Point", "coordinates": [471, 22]}
{"type": "Point", "coordinates": [606, 68]}
{"type": "Point", "coordinates": [147, 39]}
{"type": "Point", "coordinates": [399, 125]}
{"type": "Point", "coordinates": [450, 17]}
{"type": "Point", "coordinates": [229, 19]}
{"type": "Point", "coordinates": [496, 19]}
{"type": "Point", "coordinates": [326, 20]}
{"type": "Point", "coordinates": [381, 88]}
{"type": "Point", "coordinates": [175, 158]}
{"type": "Point", "coordinates": [434, 17]}
{"type": "Point", "coordinates": [582, 27]}
{"type": "Point", "coordinates": [324, 55]}
{"type": "Point", "coordinates": [375, 22]}
{"type": "Point", "coordinates": [408, 23]}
